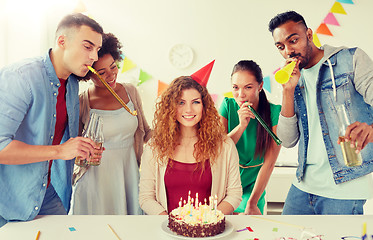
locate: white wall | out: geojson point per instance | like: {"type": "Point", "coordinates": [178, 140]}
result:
{"type": "Point", "coordinates": [224, 30]}
{"type": "Point", "coordinates": [227, 31]}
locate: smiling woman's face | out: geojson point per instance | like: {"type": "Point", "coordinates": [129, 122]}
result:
{"type": "Point", "coordinates": [189, 111]}
{"type": "Point", "coordinates": [107, 69]}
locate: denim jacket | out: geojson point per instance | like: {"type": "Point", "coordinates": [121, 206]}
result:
{"type": "Point", "coordinates": [345, 77]}
{"type": "Point", "coordinates": [28, 97]}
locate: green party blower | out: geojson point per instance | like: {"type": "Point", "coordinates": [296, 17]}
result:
{"type": "Point", "coordinates": [268, 129]}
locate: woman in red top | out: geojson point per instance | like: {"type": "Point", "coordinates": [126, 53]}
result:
{"type": "Point", "coordinates": [188, 151]}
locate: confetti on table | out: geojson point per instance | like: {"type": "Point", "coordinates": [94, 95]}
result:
{"type": "Point", "coordinates": [114, 232]}
{"type": "Point", "coordinates": [72, 229]}
{"type": "Point", "coordinates": [246, 228]}
{"type": "Point", "coordinates": [275, 229]}
{"type": "Point", "coordinates": [37, 235]}
{"type": "Point", "coordinates": [364, 237]}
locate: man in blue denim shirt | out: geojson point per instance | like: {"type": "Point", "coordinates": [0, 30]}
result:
{"type": "Point", "coordinates": [39, 114]}
{"type": "Point", "coordinates": [324, 78]}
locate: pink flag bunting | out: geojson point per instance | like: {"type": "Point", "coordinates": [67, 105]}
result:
{"type": "Point", "coordinates": [330, 19]}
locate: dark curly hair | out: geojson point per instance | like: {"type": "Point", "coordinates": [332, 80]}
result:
{"type": "Point", "coordinates": [285, 17]}
{"type": "Point", "coordinates": [110, 45]}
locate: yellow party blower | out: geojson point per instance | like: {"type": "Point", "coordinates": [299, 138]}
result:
{"type": "Point", "coordinates": [283, 75]}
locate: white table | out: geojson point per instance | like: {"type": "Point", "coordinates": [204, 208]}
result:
{"type": "Point", "coordinates": [149, 227]}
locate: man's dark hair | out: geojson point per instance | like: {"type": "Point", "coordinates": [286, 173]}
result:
{"type": "Point", "coordinates": [284, 17]}
{"type": "Point", "coordinates": [77, 20]}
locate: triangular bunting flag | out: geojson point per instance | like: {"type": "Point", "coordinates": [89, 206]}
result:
{"type": "Point", "coordinates": [330, 19]}
{"type": "Point", "coordinates": [337, 8]}
{"type": "Point", "coordinates": [316, 40]}
{"type": "Point", "coordinates": [161, 87]}
{"type": "Point", "coordinates": [127, 65]}
{"type": "Point", "coordinates": [228, 95]}
{"type": "Point", "coordinates": [323, 29]}
{"type": "Point", "coordinates": [214, 97]}
{"type": "Point", "coordinates": [80, 7]}
{"type": "Point", "coordinates": [346, 1]}
{"type": "Point", "coordinates": [267, 84]}
{"type": "Point", "coordinates": [144, 76]}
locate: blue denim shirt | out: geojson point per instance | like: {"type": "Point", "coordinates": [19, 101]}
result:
{"type": "Point", "coordinates": [352, 86]}
{"type": "Point", "coordinates": [28, 97]}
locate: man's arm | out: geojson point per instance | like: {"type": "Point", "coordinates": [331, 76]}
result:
{"type": "Point", "coordinates": [360, 133]}
{"type": "Point", "coordinates": [287, 129]}
{"type": "Point", "coordinates": [17, 152]}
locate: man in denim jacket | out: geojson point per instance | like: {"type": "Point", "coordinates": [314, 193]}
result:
{"type": "Point", "coordinates": [39, 114]}
{"type": "Point", "coordinates": [322, 79]}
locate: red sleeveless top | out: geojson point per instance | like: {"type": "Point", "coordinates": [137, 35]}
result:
{"type": "Point", "coordinates": [180, 178]}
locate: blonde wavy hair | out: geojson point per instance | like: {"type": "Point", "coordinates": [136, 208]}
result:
{"type": "Point", "coordinates": [166, 130]}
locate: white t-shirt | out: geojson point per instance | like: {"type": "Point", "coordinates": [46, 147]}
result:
{"type": "Point", "coordinates": [318, 177]}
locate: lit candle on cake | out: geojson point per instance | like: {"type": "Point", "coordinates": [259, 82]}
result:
{"type": "Point", "coordinates": [181, 199]}
{"type": "Point", "coordinates": [215, 203]}
{"type": "Point", "coordinates": [191, 207]}
{"type": "Point", "coordinates": [196, 200]}
{"type": "Point", "coordinates": [189, 197]}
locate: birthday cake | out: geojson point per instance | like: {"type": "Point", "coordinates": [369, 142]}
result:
{"type": "Point", "coordinates": [201, 221]}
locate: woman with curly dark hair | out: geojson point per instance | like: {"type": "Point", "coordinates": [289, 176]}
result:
{"type": "Point", "coordinates": [188, 151]}
{"type": "Point", "coordinates": [111, 187]}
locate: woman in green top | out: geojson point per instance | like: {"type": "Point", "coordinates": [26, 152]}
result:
{"type": "Point", "coordinates": [257, 150]}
